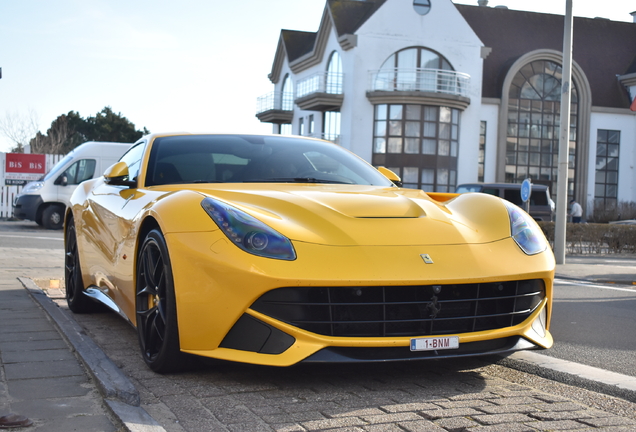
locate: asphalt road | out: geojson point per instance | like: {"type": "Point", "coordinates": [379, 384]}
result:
{"type": "Point", "coordinates": [595, 324]}
{"type": "Point", "coordinates": [29, 235]}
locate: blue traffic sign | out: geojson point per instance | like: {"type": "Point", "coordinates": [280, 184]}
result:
{"type": "Point", "coordinates": [526, 190]}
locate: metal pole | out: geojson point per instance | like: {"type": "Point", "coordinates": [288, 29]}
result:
{"type": "Point", "coordinates": [564, 139]}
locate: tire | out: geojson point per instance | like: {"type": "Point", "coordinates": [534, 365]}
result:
{"type": "Point", "coordinates": [157, 327]}
{"type": "Point", "coordinates": [53, 217]}
{"type": "Point", "coordinates": [75, 298]}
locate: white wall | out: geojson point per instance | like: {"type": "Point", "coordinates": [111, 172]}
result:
{"type": "Point", "coordinates": [393, 27]}
{"type": "Point", "coordinates": [489, 114]}
{"type": "Point", "coordinates": [626, 124]}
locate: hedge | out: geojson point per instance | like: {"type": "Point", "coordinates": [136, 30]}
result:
{"type": "Point", "coordinates": [591, 238]}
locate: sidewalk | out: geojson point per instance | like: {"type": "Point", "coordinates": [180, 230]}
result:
{"type": "Point", "coordinates": [613, 269]}
{"type": "Point", "coordinates": [55, 376]}
{"type": "Point", "coordinates": [40, 377]}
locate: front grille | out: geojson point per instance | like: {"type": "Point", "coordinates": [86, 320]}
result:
{"type": "Point", "coordinates": [383, 311]}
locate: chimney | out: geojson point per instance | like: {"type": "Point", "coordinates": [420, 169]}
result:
{"type": "Point", "coordinates": [633, 14]}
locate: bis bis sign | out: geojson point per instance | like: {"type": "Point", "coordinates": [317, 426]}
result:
{"type": "Point", "coordinates": [22, 168]}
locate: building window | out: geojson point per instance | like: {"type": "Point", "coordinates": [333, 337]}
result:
{"type": "Point", "coordinates": [334, 74]}
{"type": "Point", "coordinates": [412, 69]}
{"type": "Point", "coordinates": [286, 129]}
{"type": "Point", "coordinates": [420, 143]}
{"type": "Point", "coordinates": [482, 151]}
{"type": "Point", "coordinates": [607, 153]}
{"type": "Point", "coordinates": [331, 126]}
{"type": "Point", "coordinates": [287, 94]}
{"type": "Point", "coordinates": [532, 145]}
{"type": "Point", "coordinates": [301, 126]}
{"type": "Point", "coordinates": [422, 7]}
{"type": "Point", "coordinates": [310, 125]}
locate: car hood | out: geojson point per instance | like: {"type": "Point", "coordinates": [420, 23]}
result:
{"type": "Point", "coordinates": [344, 215]}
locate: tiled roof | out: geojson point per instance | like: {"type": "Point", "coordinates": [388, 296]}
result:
{"type": "Point", "coordinates": [297, 43]}
{"type": "Point", "coordinates": [602, 48]}
{"type": "Point", "coordinates": [349, 15]}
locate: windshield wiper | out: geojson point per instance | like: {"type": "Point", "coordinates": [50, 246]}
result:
{"type": "Point", "coordinates": [295, 180]}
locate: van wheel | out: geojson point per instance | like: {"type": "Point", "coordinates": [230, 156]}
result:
{"type": "Point", "coordinates": [53, 217]}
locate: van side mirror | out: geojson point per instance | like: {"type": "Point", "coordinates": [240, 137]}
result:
{"type": "Point", "coordinates": [117, 175]}
{"type": "Point", "coordinates": [62, 180]}
{"type": "Point", "coordinates": [390, 175]}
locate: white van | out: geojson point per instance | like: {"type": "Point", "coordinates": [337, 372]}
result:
{"type": "Point", "coordinates": [45, 201]}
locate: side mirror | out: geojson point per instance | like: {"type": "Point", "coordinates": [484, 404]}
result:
{"type": "Point", "coordinates": [390, 175]}
{"type": "Point", "coordinates": [117, 175]}
{"type": "Point", "coordinates": [62, 180]}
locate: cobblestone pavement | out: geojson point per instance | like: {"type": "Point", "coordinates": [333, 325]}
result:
{"type": "Point", "coordinates": [458, 395]}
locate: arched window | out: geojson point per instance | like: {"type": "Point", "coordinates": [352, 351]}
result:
{"type": "Point", "coordinates": [287, 94]}
{"type": "Point", "coordinates": [532, 144]}
{"type": "Point", "coordinates": [414, 68]}
{"type": "Point", "coordinates": [334, 74]}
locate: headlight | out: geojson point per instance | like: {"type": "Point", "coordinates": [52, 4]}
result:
{"type": "Point", "coordinates": [247, 232]}
{"type": "Point", "coordinates": [32, 187]}
{"type": "Point", "coordinates": [524, 231]}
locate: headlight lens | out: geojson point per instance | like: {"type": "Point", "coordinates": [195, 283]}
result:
{"type": "Point", "coordinates": [32, 187]}
{"type": "Point", "coordinates": [524, 231]}
{"type": "Point", "coordinates": [247, 232]}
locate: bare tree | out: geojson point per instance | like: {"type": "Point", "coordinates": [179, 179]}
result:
{"type": "Point", "coordinates": [56, 138]}
{"type": "Point", "coordinates": [19, 128]}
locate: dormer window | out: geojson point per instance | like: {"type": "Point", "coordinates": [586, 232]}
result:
{"type": "Point", "coordinates": [422, 7]}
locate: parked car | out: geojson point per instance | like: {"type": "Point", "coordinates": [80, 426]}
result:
{"type": "Point", "coordinates": [44, 201]}
{"type": "Point", "coordinates": [276, 250]}
{"type": "Point", "coordinates": [542, 208]}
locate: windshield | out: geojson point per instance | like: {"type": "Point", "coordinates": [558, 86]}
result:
{"type": "Point", "coordinates": [58, 166]}
{"type": "Point", "coordinates": [255, 159]}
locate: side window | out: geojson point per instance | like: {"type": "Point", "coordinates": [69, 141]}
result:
{"type": "Point", "coordinates": [514, 196]}
{"type": "Point", "coordinates": [80, 171]}
{"type": "Point", "coordinates": [85, 170]}
{"type": "Point", "coordinates": [491, 191]}
{"type": "Point", "coordinates": [539, 198]}
{"type": "Point", "coordinates": [132, 158]}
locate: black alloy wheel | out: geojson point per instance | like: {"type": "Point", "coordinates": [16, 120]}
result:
{"type": "Point", "coordinates": [75, 298]}
{"type": "Point", "coordinates": [156, 306]}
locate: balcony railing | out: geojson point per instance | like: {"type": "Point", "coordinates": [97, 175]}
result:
{"type": "Point", "coordinates": [321, 82]}
{"type": "Point", "coordinates": [275, 101]}
{"type": "Point", "coordinates": [424, 80]}
{"type": "Point", "coordinates": [334, 138]}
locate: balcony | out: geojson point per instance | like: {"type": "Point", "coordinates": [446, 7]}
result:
{"type": "Point", "coordinates": [320, 92]}
{"type": "Point", "coordinates": [275, 107]}
{"type": "Point", "coordinates": [419, 86]}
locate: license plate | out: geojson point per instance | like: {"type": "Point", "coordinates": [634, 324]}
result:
{"type": "Point", "coordinates": [435, 343]}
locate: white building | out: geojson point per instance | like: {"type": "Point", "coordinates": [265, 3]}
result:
{"type": "Point", "coordinates": [446, 94]}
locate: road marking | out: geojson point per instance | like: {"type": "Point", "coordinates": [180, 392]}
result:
{"type": "Point", "coordinates": [592, 285]}
{"type": "Point", "coordinates": [36, 238]}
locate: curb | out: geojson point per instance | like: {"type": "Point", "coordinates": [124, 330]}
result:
{"type": "Point", "coordinates": [576, 374]}
{"type": "Point", "coordinates": [597, 281]}
{"type": "Point", "coordinates": [119, 393]}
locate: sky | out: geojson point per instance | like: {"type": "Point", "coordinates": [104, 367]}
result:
{"type": "Point", "coordinates": [187, 65]}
